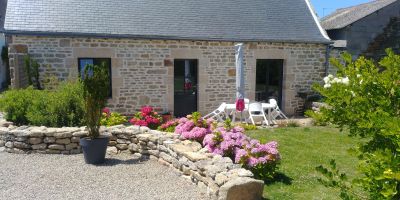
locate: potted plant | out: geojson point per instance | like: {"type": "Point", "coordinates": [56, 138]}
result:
{"type": "Point", "coordinates": [96, 85]}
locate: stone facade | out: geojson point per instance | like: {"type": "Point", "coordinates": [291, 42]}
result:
{"type": "Point", "coordinates": [143, 70]}
{"type": "Point", "coordinates": [218, 175]}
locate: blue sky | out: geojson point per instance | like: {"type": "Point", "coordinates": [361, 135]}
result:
{"type": "Point", "coordinates": [324, 7]}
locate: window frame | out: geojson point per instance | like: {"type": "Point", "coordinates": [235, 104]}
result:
{"type": "Point", "coordinates": [109, 70]}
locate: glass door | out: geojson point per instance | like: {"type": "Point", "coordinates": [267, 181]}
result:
{"type": "Point", "coordinates": [269, 79]}
{"type": "Point", "coordinates": [185, 87]}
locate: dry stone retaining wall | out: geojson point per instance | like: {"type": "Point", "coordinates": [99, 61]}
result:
{"type": "Point", "coordinates": [218, 175]}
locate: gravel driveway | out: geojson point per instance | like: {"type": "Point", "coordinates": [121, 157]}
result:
{"type": "Point", "coordinates": [37, 176]}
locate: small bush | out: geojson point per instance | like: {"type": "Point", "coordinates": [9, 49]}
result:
{"type": "Point", "coordinates": [261, 159]}
{"type": "Point", "coordinates": [112, 118]}
{"type": "Point", "coordinates": [319, 119]}
{"type": "Point", "coordinates": [15, 103]}
{"type": "Point", "coordinates": [62, 107]}
{"type": "Point", "coordinates": [194, 127]}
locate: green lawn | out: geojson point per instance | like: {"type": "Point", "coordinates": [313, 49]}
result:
{"type": "Point", "coordinates": [302, 149]}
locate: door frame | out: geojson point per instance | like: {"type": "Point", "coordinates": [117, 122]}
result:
{"type": "Point", "coordinates": [197, 61]}
{"type": "Point", "coordinates": [281, 75]}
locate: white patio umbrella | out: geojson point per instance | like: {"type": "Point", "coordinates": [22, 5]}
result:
{"type": "Point", "coordinates": [239, 78]}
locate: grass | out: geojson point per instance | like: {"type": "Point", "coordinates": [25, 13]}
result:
{"type": "Point", "coordinates": [302, 149]}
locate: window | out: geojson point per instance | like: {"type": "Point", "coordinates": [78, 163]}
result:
{"type": "Point", "coordinates": [95, 61]}
{"type": "Point", "coordinates": [269, 80]}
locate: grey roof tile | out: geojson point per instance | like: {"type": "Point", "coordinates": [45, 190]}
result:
{"type": "Point", "coordinates": [233, 20]}
{"type": "Point", "coordinates": [346, 16]}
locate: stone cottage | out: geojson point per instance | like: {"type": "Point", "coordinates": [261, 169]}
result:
{"type": "Point", "coordinates": [366, 29]}
{"type": "Point", "coordinates": [174, 55]}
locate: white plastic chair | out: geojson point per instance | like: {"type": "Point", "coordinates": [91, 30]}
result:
{"type": "Point", "coordinates": [218, 113]}
{"type": "Point", "coordinates": [276, 112]}
{"type": "Point", "coordinates": [255, 110]}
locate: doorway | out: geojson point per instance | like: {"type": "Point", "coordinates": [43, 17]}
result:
{"type": "Point", "coordinates": [185, 86]}
{"type": "Point", "coordinates": [269, 80]}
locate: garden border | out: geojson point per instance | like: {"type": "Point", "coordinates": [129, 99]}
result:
{"type": "Point", "coordinates": [218, 175]}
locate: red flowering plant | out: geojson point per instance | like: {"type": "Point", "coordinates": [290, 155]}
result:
{"type": "Point", "coordinates": [147, 117]}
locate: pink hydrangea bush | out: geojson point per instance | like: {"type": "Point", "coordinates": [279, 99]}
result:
{"type": "Point", "coordinates": [225, 142]}
{"type": "Point", "coordinates": [169, 126]}
{"type": "Point", "coordinates": [147, 117]}
{"type": "Point", "coordinates": [193, 127]}
{"type": "Point", "coordinates": [261, 159]}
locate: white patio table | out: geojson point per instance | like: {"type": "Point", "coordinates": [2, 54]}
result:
{"type": "Point", "coordinates": [231, 109]}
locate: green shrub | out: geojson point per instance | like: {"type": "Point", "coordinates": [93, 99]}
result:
{"type": "Point", "coordinates": [68, 105]}
{"type": "Point", "coordinates": [319, 119]}
{"type": "Point", "coordinates": [112, 119]}
{"type": "Point", "coordinates": [95, 92]}
{"type": "Point", "coordinates": [365, 98]}
{"type": "Point", "coordinates": [15, 104]}
{"type": "Point", "coordinates": [61, 107]}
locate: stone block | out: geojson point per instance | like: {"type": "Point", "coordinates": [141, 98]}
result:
{"type": "Point", "coordinates": [71, 146]}
{"type": "Point", "coordinates": [63, 135]}
{"type": "Point", "coordinates": [9, 144]}
{"type": "Point", "coordinates": [65, 43]}
{"type": "Point", "coordinates": [194, 156]}
{"type": "Point", "coordinates": [19, 48]}
{"type": "Point", "coordinates": [56, 147]}
{"type": "Point", "coordinates": [112, 150]}
{"type": "Point", "coordinates": [75, 139]}
{"type": "Point", "coordinates": [21, 145]}
{"type": "Point", "coordinates": [49, 140]}
{"type": "Point", "coordinates": [122, 146]}
{"type": "Point", "coordinates": [231, 72]}
{"type": "Point", "coordinates": [63, 141]}
{"type": "Point", "coordinates": [21, 139]}
{"type": "Point", "coordinates": [75, 151]}
{"type": "Point", "coordinates": [41, 146]}
{"type": "Point", "coordinates": [241, 188]}
{"type": "Point", "coordinates": [33, 140]}
{"type": "Point", "coordinates": [53, 151]}
{"type": "Point", "coordinates": [133, 147]}
{"type": "Point", "coordinates": [168, 62]}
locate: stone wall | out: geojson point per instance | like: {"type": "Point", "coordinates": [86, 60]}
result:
{"type": "Point", "coordinates": [218, 175]}
{"type": "Point", "coordinates": [143, 70]}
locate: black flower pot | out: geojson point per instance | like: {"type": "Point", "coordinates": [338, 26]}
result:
{"type": "Point", "coordinates": [94, 150]}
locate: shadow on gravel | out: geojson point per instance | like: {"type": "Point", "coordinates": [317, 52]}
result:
{"type": "Point", "coordinates": [116, 161]}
